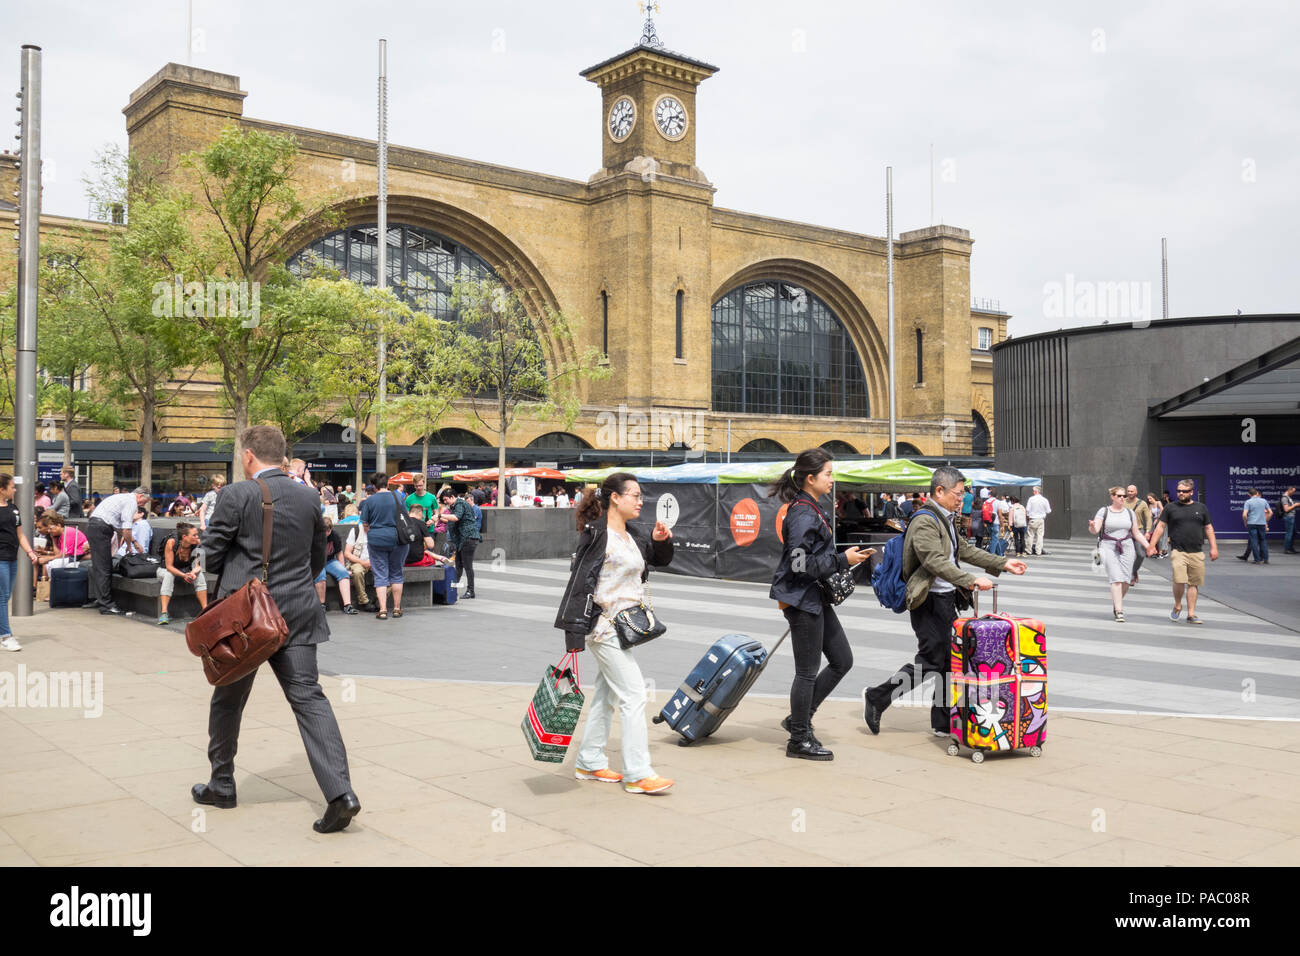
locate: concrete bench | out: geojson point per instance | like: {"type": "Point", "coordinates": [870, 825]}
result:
{"type": "Point", "coordinates": [144, 596]}
{"type": "Point", "coordinates": [417, 588]}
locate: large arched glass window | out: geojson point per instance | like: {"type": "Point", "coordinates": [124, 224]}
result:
{"type": "Point", "coordinates": [422, 265]}
{"type": "Point", "coordinates": [780, 350]}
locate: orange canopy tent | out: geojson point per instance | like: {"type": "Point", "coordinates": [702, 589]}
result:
{"type": "Point", "coordinates": [403, 478]}
{"type": "Point", "coordinates": [491, 474]}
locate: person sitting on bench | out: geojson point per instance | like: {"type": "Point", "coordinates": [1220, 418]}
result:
{"type": "Point", "coordinates": [180, 560]}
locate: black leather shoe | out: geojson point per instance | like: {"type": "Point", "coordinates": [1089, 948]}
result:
{"type": "Point", "coordinates": [203, 795]}
{"type": "Point", "coordinates": [468, 594]}
{"type": "Point", "coordinates": [338, 814]}
{"type": "Point", "coordinates": [1241, 557]}
{"type": "Point", "coordinates": [870, 713]}
{"type": "Point", "coordinates": [807, 749]}
{"type": "Point", "coordinates": [785, 725]}
{"type": "Point", "coordinates": [111, 609]}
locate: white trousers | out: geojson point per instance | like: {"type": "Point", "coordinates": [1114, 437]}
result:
{"type": "Point", "coordinates": [618, 683]}
{"type": "Point", "coordinates": [1035, 545]}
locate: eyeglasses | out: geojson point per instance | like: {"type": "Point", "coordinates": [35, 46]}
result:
{"type": "Point", "coordinates": [1184, 491]}
{"type": "Point", "coordinates": [1117, 494]}
{"type": "Point", "coordinates": [636, 497]}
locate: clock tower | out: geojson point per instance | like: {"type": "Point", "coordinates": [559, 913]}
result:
{"type": "Point", "coordinates": [648, 108]}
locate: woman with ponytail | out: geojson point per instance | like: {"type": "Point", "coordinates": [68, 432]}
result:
{"type": "Point", "coordinates": [608, 574]}
{"type": "Point", "coordinates": [815, 630]}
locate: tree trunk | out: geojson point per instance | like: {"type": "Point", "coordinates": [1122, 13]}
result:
{"type": "Point", "coordinates": [424, 457]}
{"type": "Point", "coordinates": [501, 455]}
{"type": "Point", "coordinates": [240, 403]}
{"type": "Point", "coordinates": [147, 412]}
{"type": "Point", "coordinates": [360, 485]}
{"type": "Point", "coordinates": [67, 435]}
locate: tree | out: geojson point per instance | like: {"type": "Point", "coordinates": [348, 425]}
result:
{"type": "Point", "coordinates": [8, 352]}
{"type": "Point", "coordinates": [349, 369]}
{"type": "Point", "coordinates": [121, 277]}
{"type": "Point", "coordinates": [249, 204]}
{"type": "Point", "coordinates": [70, 334]}
{"type": "Point", "coordinates": [291, 399]}
{"type": "Point", "coordinates": [503, 369]}
{"type": "Point", "coordinates": [431, 385]}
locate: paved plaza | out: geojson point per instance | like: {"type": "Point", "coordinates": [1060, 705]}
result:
{"type": "Point", "coordinates": [430, 708]}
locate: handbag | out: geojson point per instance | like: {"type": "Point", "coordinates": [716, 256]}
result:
{"type": "Point", "coordinates": [552, 715]}
{"type": "Point", "coordinates": [137, 565]}
{"type": "Point", "coordinates": [838, 585]}
{"type": "Point", "coordinates": [637, 625]}
{"type": "Point", "coordinates": [236, 633]}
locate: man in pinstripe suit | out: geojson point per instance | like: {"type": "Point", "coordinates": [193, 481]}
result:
{"type": "Point", "coordinates": [232, 546]}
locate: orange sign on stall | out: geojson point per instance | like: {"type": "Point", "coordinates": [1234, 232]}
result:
{"type": "Point", "coordinates": [745, 521]}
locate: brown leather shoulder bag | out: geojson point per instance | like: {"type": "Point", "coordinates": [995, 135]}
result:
{"type": "Point", "coordinates": [236, 634]}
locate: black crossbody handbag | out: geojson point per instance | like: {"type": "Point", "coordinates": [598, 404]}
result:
{"type": "Point", "coordinates": [637, 625]}
{"type": "Point", "coordinates": [838, 585]}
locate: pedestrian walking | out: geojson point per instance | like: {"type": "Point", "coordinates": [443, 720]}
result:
{"type": "Point", "coordinates": [463, 535]}
{"type": "Point", "coordinates": [1288, 504]}
{"type": "Point", "coordinates": [1188, 524]}
{"type": "Point", "coordinates": [609, 572]}
{"type": "Point", "coordinates": [12, 540]}
{"type": "Point", "coordinates": [1117, 529]}
{"type": "Point", "coordinates": [1037, 508]}
{"type": "Point", "coordinates": [1156, 506]}
{"type": "Point", "coordinates": [1144, 522]}
{"type": "Point", "coordinates": [217, 482]}
{"type": "Point", "coordinates": [1019, 525]}
{"type": "Point", "coordinates": [232, 548]}
{"type": "Point", "coordinates": [1255, 516]}
{"type": "Point", "coordinates": [932, 550]}
{"type": "Point", "coordinates": [808, 555]}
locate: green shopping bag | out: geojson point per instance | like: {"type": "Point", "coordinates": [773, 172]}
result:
{"type": "Point", "coordinates": [554, 711]}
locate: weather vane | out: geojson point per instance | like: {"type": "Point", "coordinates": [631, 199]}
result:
{"type": "Point", "coordinates": [648, 35]}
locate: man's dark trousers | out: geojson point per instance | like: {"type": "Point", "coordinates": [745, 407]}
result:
{"type": "Point", "coordinates": [100, 535]}
{"type": "Point", "coordinates": [294, 665]}
{"type": "Point", "coordinates": [932, 622]}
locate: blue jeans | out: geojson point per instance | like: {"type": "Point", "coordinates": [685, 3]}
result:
{"type": "Point", "coordinates": [1258, 541]}
{"type": "Point", "coordinates": [386, 564]}
{"type": "Point", "coordinates": [1289, 523]}
{"type": "Point", "coordinates": [8, 570]}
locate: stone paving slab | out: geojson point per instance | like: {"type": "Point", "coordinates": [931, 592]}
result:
{"type": "Point", "coordinates": [445, 779]}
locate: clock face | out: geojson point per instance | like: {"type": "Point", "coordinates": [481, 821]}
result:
{"type": "Point", "coordinates": [670, 117]}
{"type": "Point", "coordinates": [622, 117]}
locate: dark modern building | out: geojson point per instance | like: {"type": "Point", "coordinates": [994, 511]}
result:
{"type": "Point", "coordinates": [1215, 398]}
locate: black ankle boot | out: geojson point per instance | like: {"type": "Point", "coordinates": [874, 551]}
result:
{"type": "Point", "coordinates": [808, 749]}
{"type": "Point", "coordinates": [785, 725]}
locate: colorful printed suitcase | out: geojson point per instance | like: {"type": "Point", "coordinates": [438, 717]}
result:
{"type": "Point", "coordinates": [715, 686]}
{"type": "Point", "coordinates": [998, 687]}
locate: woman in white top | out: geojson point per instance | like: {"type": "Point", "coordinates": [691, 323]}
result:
{"type": "Point", "coordinates": [1116, 529]}
{"type": "Point", "coordinates": [608, 575]}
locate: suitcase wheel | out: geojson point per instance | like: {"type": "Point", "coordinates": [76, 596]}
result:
{"type": "Point", "coordinates": [953, 750]}
{"type": "Point", "coordinates": [977, 757]}
{"type": "Point", "coordinates": [1035, 751]}
{"type": "Point", "coordinates": [657, 719]}
{"type": "Point", "coordinates": [683, 742]}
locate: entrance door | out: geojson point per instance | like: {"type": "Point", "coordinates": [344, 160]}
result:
{"type": "Point", "coordinates": [1057, 490]}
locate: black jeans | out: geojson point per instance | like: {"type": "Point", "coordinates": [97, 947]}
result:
{"type": "Point", "coordinates": [465, 562]}
{"type": "Point", "coordinates": [932, 622]}
{"type": "Point", "coordinates": [1019, 534]}
{"type": "Point", "coordinates": [100, 535]}
{"type": "Point", "coordinates": [811, 636]}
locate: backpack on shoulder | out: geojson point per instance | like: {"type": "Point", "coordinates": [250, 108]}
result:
{"type": "Point", "coordinates": [887, 578]}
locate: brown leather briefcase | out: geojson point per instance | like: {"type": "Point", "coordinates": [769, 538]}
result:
{"type": "Point", "coordinates": [236, 634]}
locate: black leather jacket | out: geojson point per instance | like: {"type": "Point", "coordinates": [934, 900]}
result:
{"type": "Point", "coordinates": [578, 609]}
{"type": "Point", "coordinates": [809, 544]}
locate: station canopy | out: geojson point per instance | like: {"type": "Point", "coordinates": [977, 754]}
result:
{"type": "Point", "coordinates": [882, 472]}
{"type": "Point", "coordinates": [987, 477]}
{"type": "Point", "coordinates": [491, 474]}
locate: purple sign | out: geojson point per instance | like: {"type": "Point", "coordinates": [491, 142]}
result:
{"type": "Point", "coordinates": [1225, 475]}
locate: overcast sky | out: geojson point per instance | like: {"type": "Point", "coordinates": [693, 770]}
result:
{"type": "Point", "coordinates": [1068, 140]}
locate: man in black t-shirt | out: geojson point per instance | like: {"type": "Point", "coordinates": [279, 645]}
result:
{"type": "Point", "coordinates": [1188, 524]}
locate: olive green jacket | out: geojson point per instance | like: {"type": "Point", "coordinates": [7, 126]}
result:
{"type": "Point", "coordinates": [926, 551]}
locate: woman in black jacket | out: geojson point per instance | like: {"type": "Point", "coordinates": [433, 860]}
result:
{"type": "Point", "coordinates": [608, 575]}
{"type": "Point", "coordinates": [808, 556]}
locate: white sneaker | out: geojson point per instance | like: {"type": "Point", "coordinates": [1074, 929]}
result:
{"type": "Point", "coordinates": [10, 643]}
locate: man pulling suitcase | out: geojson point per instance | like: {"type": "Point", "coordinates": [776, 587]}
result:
{"type": "Point", "coordinates": [931, 552]}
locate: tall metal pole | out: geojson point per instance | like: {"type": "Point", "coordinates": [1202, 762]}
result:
{"type": "Point", "coordinates": [381, 449]}
{"type": "Point", "coordinates": [889, 267]}
{"type": "Point", "coordinates": [29, 226]}
{"type": "Point", "coordinates": [1164, 277]}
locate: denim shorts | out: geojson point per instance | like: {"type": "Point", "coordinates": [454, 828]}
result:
{"type": "Point", "coordinates": [334, 569]}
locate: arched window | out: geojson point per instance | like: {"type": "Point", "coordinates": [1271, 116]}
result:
{"type": "Point", "coordinates": [557, 440]}
{"type": "Point", "coordinates": [422, 265]}
{"type": "Point", "coordinates": [457, 436]}
{"type": "Point", "coordinates": [765, 445]}
{"type": "Point", "coordinates": [780, 350]}
{"type": "Point", "coordinates": [905, 450]}
{"type": "Point", "coordinates": [979, 439]}
{"type": "Point", "coordinates": [837, 447]}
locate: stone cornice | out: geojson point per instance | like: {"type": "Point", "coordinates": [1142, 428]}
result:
{"type": "Point", "coordinates": [644, 59]}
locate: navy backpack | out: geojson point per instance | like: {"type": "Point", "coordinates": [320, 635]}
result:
{"type": "Point", "coordinates": [887, 579]}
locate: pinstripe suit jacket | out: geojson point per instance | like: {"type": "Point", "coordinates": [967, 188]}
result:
{"type": "Point", "coordinates": [232, 547]}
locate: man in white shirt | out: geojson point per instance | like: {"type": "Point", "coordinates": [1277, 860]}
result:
{"type": "Point", "coordinates": [116, 513]}
{"type": "Point", "coordinates": [141, 536]}
{"type": "Point", "coordinates": [1037, 508]}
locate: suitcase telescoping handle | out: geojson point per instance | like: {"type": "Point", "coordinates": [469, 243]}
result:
{"type": "Point", "coordinates": [772, 653]}
{"type": "Point", "coordinates": [975, 599]}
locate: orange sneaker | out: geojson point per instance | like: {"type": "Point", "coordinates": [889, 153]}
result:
{"type": "Point", "coordinates": [648, 785]}
{"type": "Point", "coordinates": [604, 776]}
